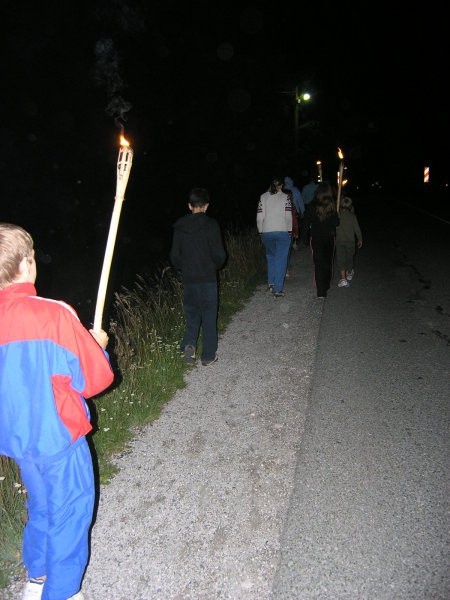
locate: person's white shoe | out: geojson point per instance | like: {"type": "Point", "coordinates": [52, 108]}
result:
{"type": "Point", "coordinates": [33, 589]}
{"type": "Point", "coordinates": [343, 283]}
{"type": "Point", "coordinates": [349, 276]}
{"type": "Point", "coordinates": [78, 596]}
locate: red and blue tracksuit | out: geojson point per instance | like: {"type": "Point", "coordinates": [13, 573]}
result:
{"type": "Point", "coordinates": [49, 363]}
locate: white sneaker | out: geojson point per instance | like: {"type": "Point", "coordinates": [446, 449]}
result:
{"type": "Point", "coordinates": [33, 589]}
{"type": "Point", "coordinates": [78, 596]}
{"type": "Point", "coordinates": [343, 283]}
{"type": "Point", "coordinates": [349, 276]}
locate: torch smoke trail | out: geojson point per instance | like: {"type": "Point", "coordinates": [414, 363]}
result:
{"type": "Point", "coordinates": [107, 73]}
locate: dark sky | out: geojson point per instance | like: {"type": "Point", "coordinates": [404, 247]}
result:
{"type": "Point", "coordinates": [206, 86]}
{"type": "Point", "coordinates": [204, 91]}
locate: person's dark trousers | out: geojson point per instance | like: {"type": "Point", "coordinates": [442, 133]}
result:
{"type": "Point", "coordinates": [323, 254]}
{"type": "Point", "coordinates": [200, 304]}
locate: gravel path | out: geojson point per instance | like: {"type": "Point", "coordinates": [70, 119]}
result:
{"type": "Point", "coordinates": [197, 508]}
{"type": "Point", "coordinates": [198, 505]}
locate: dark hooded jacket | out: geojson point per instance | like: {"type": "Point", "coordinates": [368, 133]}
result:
{"type": "Point", "coordinates": [197, 248]}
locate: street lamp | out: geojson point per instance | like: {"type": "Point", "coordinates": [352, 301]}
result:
{"type": "Point", "coordinates": [299, 100]}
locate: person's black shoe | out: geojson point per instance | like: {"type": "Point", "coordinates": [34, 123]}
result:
{"type": "Point", "coordinates": [205, 363]}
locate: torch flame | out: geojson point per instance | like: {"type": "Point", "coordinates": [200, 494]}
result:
{"type": "Point", "coordinates": [340, 154]}
{"type": "Point", "coordinates": [123, 141]}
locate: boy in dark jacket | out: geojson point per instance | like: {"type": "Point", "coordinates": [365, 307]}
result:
{"type": "Point", "coordinates": [198, 252]}
{"type": "Point", "coordinates": [49, 363]}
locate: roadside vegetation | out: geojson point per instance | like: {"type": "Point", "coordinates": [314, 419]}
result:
{"type": "Point", "coordinates": [144, 349]}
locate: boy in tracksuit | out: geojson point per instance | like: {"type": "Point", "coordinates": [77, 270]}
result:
{"type": "Point", "coordinates": [49, 363]}
{"type": "Point", "coordinates": [198, 252]}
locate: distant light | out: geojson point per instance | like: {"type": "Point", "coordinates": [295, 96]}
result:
{"type": "Point", "coordinates": [319, 170]}
{"type": "Point", "coordinates": [303, 97]}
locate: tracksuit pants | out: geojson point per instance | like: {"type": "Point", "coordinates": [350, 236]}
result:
{"type": "Point", "coordinates": [60, 505]}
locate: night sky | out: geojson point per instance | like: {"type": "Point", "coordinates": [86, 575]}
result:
{"type": "Point", "coordinates": [205, 94]}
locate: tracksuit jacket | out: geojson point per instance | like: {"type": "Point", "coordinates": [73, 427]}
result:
{"type": "Point", "coordinates": [49, 363]}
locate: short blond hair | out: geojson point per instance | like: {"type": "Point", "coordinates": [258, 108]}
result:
{"type": "Point", "coordinates": [15, 245]}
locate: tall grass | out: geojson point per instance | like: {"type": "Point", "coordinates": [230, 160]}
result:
{"type": "Point", "coordinates": [12, 519]}
{"type": "Point", "coordinates": [145, 335]}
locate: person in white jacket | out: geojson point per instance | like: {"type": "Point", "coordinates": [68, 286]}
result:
{"type": "Point", "coordinates": [274, 223]}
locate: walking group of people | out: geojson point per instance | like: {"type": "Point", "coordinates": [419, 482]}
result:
{"type": "Point", "coordinates": [284, 214]}
{"type": "Point", "coordinates": [329, 232]}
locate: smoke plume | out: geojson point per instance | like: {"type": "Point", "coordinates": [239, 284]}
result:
{"type": "Point", "coordinates": [107, 74]}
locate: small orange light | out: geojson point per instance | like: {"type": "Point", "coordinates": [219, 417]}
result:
{"type": "Point", "coordinates": [123, 141]}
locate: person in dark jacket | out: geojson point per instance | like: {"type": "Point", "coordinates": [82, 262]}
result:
{"type": "Point", "coordinates": [346, 234]}
{"type": "Point", "coordinates": [198, 252]}
{"type": "Point", "coordinates": [321, 220]}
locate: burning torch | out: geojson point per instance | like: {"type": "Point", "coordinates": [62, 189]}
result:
{"type": "Point", "coordinates": [319, 171]}
{"type": "Point", "coordinates": [123, 172]}
{"type": "Point", "coordinates": [340, 177]}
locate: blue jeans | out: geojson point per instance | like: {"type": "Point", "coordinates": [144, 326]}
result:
{"type": "Point", "coordinates": [200, 304]}
{"type": "Point", "coordinates": [277, 245]}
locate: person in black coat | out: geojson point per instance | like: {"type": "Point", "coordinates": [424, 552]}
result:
{"type": "Point", "coordinates": [321, 220]}
{"type": "Point", "coordinates": [198, 252]}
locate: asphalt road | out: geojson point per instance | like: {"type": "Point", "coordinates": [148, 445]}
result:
{"type": "Point", "coordinates": [368, 516]}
